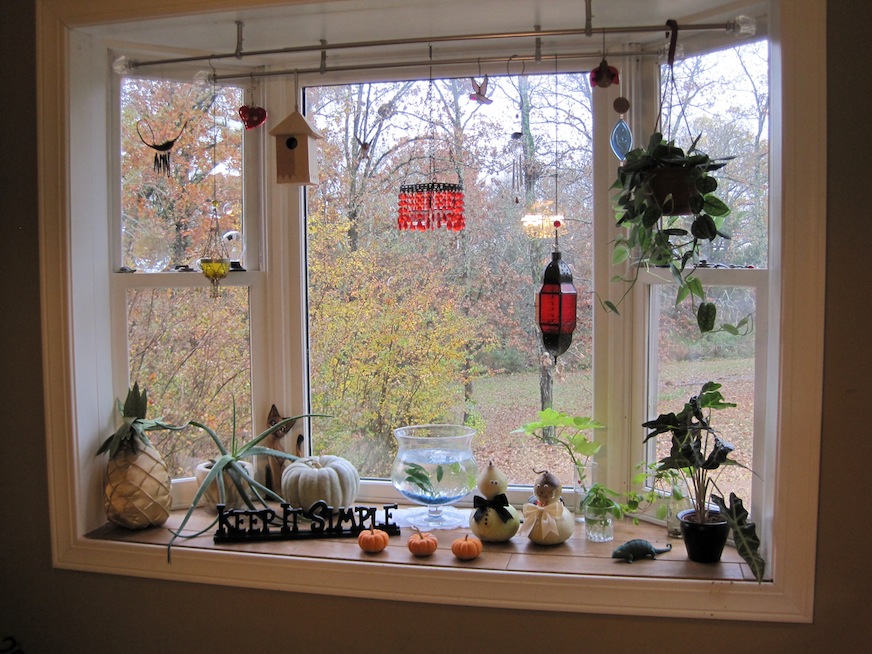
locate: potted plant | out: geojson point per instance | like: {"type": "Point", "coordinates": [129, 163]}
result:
{"type": "Point", "coordinates": [601, 508]}
{"type": "Point", "coordinates": [656, 186]}
{"type": "Point", "coordinates": [136, 482]}
{"type": "Point", "coordinates": [697, 452]}
{"type": "Point", "coordinates": [666, 490]}
{"type": "Point", "coordinates": [230, 468]}
{"type": "Point", "coordinates": [570, 433]}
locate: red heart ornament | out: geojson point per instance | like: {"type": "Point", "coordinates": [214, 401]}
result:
{"type": "Point", "coordinates": [252, 116]}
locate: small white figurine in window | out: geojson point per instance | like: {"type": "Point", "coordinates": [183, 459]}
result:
{"type": "Point", "coordinates": [548, 521]}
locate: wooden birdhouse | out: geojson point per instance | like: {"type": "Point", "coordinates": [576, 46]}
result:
{"type": "Point", "coordinates": [296, 151]}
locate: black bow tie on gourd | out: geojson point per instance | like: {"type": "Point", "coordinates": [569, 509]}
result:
{"type": "Point", "coordinates": [498, 504]}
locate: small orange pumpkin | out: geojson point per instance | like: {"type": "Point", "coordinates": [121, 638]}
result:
{"type": "Point", "coordinates": [466, 548]}
{"type": "Point", "coordinates": [373, 541]}
{"type": "Point", "coordinates": [422, 543]}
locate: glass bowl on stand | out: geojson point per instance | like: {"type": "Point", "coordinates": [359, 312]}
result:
{"type": "Point", "coordinates": [435, 468]}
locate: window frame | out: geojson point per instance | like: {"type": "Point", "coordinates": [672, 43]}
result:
{"type": "Point", "coordinates": [78, 374]}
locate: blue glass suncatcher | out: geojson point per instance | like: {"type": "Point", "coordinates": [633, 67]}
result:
{"type": "Point", "coordinates": [621, 139]}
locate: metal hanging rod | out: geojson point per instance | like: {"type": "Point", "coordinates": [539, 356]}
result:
{"type": "Point", "coordinates": [323, 47]}
{"type": "Point", "coordinates": [520, 59]}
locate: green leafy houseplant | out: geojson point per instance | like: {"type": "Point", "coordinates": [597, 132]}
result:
{"type": "Point", "coordinates": [567, 432]}
{"type": "Point", "coordinates": [697, 453]}
{"type": "Point", "coordinates": [602, 501]}
{"type": "Point", "coordinates": [662, 484]}
{"type": "Point", "coordinates": [230, 462]}
{"type": "Point", "coordinates": [655, 186]}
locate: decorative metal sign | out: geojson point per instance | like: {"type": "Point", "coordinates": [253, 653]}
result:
{"type": "Point", "coordinates": [323, 521]}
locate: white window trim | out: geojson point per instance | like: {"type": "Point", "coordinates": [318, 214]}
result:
{"type": "Point", "coordinates": [78, 378]}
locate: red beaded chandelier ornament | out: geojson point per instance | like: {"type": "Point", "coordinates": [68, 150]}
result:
{"type": "Point", "coordinates": [556, 303]}
{"type": "Point", "coordinates": [431, 205]}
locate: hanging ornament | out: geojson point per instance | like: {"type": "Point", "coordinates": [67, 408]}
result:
{"type": "Point", "coordinates": [251, 115]}
{"type": "Point", "coordinates": [604, 75]}
{"type": "Point", "coordinates": [621, 138]}
{"type": "Point", "coordinates": [479, 93]}
{"type": "Point", "coordinates": [556, 303]}
{"type": "Point", "coordinates": [517, 148]}
{"type": "Point", "coordinates": [364, 148]}
{"type": "Point", "coordinates": [431, 205]}
{"type": "Point", "coordinates": [215, 263]}
{"type": "Point", "coordinates": [162, 150]}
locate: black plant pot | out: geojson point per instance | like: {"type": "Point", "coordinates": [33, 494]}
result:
{"type": "Point", "coordinates": [672, 188]}
{"type": "Point", "coordinates": [704, 542]}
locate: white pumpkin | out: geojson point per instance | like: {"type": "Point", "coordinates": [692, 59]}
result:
{"type": "Point", "coordinates": [329, 478]}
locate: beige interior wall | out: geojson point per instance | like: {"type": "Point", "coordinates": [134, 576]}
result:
{"type": "Point", "coordinates": [50, 610]}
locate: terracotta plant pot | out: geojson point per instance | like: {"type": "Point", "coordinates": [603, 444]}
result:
{"type": "Point", "coordinates": [704, 542]}
{"type": "Point", "coordinates": [673, 187]}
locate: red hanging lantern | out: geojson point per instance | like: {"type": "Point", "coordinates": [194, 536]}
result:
{"type": "Point", "coordinates": [434, 205]}
{"type": "Point", "coordinates": [556, 306]}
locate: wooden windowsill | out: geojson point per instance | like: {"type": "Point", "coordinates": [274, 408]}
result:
{"type": "Point", "coordinates": [577, 556]}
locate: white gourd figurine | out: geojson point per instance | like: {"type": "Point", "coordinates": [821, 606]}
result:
{"type": "Point", "coordinates": [494, 519]}
{"type": "Point", "coordinates": [548, 522]}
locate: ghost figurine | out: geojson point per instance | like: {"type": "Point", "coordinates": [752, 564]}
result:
{"type": "Point", "coordinates": [548, 521]}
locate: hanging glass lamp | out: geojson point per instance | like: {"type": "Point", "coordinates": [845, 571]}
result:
{"type": "Point", "coordinates": [556, 306]}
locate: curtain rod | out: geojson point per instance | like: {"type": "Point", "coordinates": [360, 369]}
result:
{"type": "Point", "coordinates": [323, 47]}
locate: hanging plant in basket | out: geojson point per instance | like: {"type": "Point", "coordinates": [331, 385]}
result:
{"type": "Point", "coordinates": [666, 201]}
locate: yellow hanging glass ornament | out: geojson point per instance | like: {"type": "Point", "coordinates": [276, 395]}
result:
{"type": "Point", "coordinates": [215, 263]}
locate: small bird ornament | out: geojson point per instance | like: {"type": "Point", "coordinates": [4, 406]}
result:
{"type": "Point", "coordinates": [480, 91]}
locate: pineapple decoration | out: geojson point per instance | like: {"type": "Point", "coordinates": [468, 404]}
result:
{"type": "Point", "coordinates": [136, 488]}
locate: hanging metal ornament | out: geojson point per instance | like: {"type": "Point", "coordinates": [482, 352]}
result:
{"type": "Point", "coordinates": [517, 149]}
{"type": "Point", "coordinates": [556, 303]}
{"type": "Point", "coordinates": [162, 150]}
{"type": "Point", "coordinates": [431, 205]}
{"type": "Point", "coordinates": [621, 138]}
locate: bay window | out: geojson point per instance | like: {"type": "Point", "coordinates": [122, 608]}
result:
{"type": "Point", "coordinates": [338, 311]}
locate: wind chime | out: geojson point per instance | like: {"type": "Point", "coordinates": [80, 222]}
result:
{"type": "Point", "coordinates": [431, 205]}
{"type": "Point", "coordinates": [214, 263]}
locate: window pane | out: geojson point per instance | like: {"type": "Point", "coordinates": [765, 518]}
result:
{"type": "Point", "coordinates": [681, 362]}
{"type": "Point", "coordinates": [410, 327]}
{"type": "Point", "coordinates": [192, 352]}
{"type": "Point", "coordinates": [724, 98]}
{"type": "Point", "coordinates": [165, 213]}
